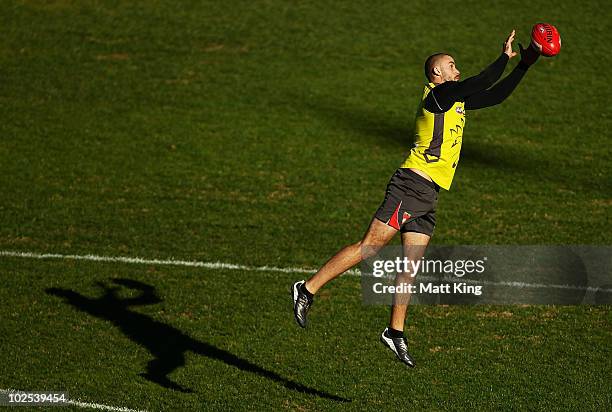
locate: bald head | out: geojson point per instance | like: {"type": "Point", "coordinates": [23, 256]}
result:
{"type": "Point", "coordinates": [440, 67]}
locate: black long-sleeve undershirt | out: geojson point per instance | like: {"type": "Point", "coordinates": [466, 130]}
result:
{"type": "Point", "coordinates": [475, 91]}
{"type": "Point", "coordinates": [499, 92]}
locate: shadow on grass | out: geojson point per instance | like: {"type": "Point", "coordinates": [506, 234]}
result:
{"type": "Point", "coordinates": [397, 131]}
{"type": "Point", "coordinates": [386, 128]}
{"type": "Point", "coordinates": [166, 343]}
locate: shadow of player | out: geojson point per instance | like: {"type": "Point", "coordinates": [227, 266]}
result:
{"type": "Point", "coordinates": [166, 343]}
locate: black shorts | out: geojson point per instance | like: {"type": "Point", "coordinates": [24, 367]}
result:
{"type": "Point", "coordinates": [410, 203]}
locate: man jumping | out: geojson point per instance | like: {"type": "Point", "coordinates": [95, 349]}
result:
{"type": "Point", "coordinates": [412, 193]}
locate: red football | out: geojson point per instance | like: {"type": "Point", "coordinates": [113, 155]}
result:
{"type": "Point", "coordinates": [547, 36]}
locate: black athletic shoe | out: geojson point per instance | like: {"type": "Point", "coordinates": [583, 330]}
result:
{"type": "Point", "coordinates": [301, 303]}
{"type": "Point", "coordinates": [399, 346]}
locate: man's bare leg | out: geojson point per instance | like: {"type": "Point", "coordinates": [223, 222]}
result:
{"type": "Point", "coordinates": [377, 236]}
{"type": "Point", "coordinates": [414, 245]}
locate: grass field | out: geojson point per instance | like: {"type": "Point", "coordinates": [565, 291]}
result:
{"type": "Point", "coordinates": [264, 133]}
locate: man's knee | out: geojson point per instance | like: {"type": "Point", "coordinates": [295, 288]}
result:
{"type": "Point", "coordinates": [369, 249]}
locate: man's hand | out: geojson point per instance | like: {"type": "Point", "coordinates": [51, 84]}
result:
{"type": "Point", "coordinates": [508, 45]}
{"type": "Point", "coordinates": [530, 55]}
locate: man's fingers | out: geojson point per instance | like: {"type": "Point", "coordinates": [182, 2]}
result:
{"type": "Point", "coordinates": [511, 37]}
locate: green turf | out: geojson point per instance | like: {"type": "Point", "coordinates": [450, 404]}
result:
{"type": "Point", "coordinates": [254, 356]}
{"type": "Point", "coordinates": [264, 133]}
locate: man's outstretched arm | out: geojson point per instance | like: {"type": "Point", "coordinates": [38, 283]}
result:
{"type": "Point", "coordinates": [506, 86]}
{"type": "Point", "coordinates": [446, 94]}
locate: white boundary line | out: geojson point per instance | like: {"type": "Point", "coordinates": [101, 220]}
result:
{"type": "Point", "coordinates": [167, 262]}
{"type": "Point", "coordinates": [233, 266]}
{"type": "Point", "coordinates": [79, 403]}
